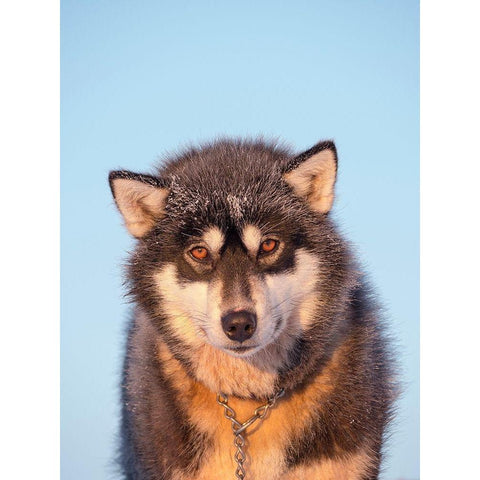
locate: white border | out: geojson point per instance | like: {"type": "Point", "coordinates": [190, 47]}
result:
{"type": "Point", "coordinates": [450, 136]}
{"type": "Point", "coordinates": [29, 199]}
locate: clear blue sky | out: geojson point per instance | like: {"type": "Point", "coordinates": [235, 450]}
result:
{"type": "Point", "coordinates": [142, 78]}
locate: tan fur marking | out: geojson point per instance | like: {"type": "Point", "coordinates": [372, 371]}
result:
{"type": "Point", "coordinates": [314, 180]}
{"type": "Point", "coordinates": [251, 236]}
{"type": "Point", "coordinates": [175, 299]}
{"type": "Point", "coordinates": [291, 415]}
{"type": "Point", "coordinates": [214, 238]}
{"type": "Point", "coordinates": [139, 203]}
{"type": "Point", "coordinates": [294, 293]}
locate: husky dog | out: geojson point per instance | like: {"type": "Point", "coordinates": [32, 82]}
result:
{"type": "Point", "coordinates": [245, 290]}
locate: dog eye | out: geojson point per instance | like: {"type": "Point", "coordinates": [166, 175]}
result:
{"type": "Point", "coordinates": [199, 253]}
{"type": "Point", "coordinates": [269, 245]}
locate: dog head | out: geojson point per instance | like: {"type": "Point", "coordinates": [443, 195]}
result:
{"type": "Point", "coordinates": [235, 248]}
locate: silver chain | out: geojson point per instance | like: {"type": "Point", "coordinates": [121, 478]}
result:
{"type": "Point", "coordinates": [240, 428]}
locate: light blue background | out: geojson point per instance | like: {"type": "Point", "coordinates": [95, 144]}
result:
{"type": "Point", "coordinates": [141, 78]}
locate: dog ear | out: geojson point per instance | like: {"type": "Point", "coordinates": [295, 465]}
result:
{"type": "Point", "coordinates": [312, 175]}
{"type": "Point", "coordinates": [140, 198]}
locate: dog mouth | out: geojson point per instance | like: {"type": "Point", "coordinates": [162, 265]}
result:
{"type": "Point", "coordinates": [242, 349]}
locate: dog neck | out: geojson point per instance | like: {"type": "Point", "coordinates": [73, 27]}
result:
{"type": "Point", "coordinates": [250, 377]}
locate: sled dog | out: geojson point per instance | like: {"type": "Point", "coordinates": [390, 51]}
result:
{"type": "Point", "coordinates": [256, 348]}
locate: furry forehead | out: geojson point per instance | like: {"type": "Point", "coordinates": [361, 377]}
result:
{"type": "Point", "coordinates": [231, 182]}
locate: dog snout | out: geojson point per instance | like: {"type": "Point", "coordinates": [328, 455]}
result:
{"type": "Point", "coordinates": [239, 325]}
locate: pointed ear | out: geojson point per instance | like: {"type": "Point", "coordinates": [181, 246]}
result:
{"type": "Point", "coordinates": [140, 198]}
{"type": "Point", "coordinates": [312, 175]}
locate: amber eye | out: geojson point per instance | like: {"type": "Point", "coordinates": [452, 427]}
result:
{"type": "Point", "coordinates": [199, 253]}
{"type": "Point", "coordinates": [268, 246]}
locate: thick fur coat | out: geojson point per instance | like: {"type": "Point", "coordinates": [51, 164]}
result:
{"type": "Point", "coordinates": [243, 285]}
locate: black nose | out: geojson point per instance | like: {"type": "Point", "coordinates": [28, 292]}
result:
{"type": "Point", "coordinates": [239, 326]}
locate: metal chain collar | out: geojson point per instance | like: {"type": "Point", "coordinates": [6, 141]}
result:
{"type": "Point", "coordinates": [240, 428]}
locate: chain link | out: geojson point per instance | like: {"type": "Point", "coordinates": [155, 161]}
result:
{"type": "Point", "coordinates": [239, 429]}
